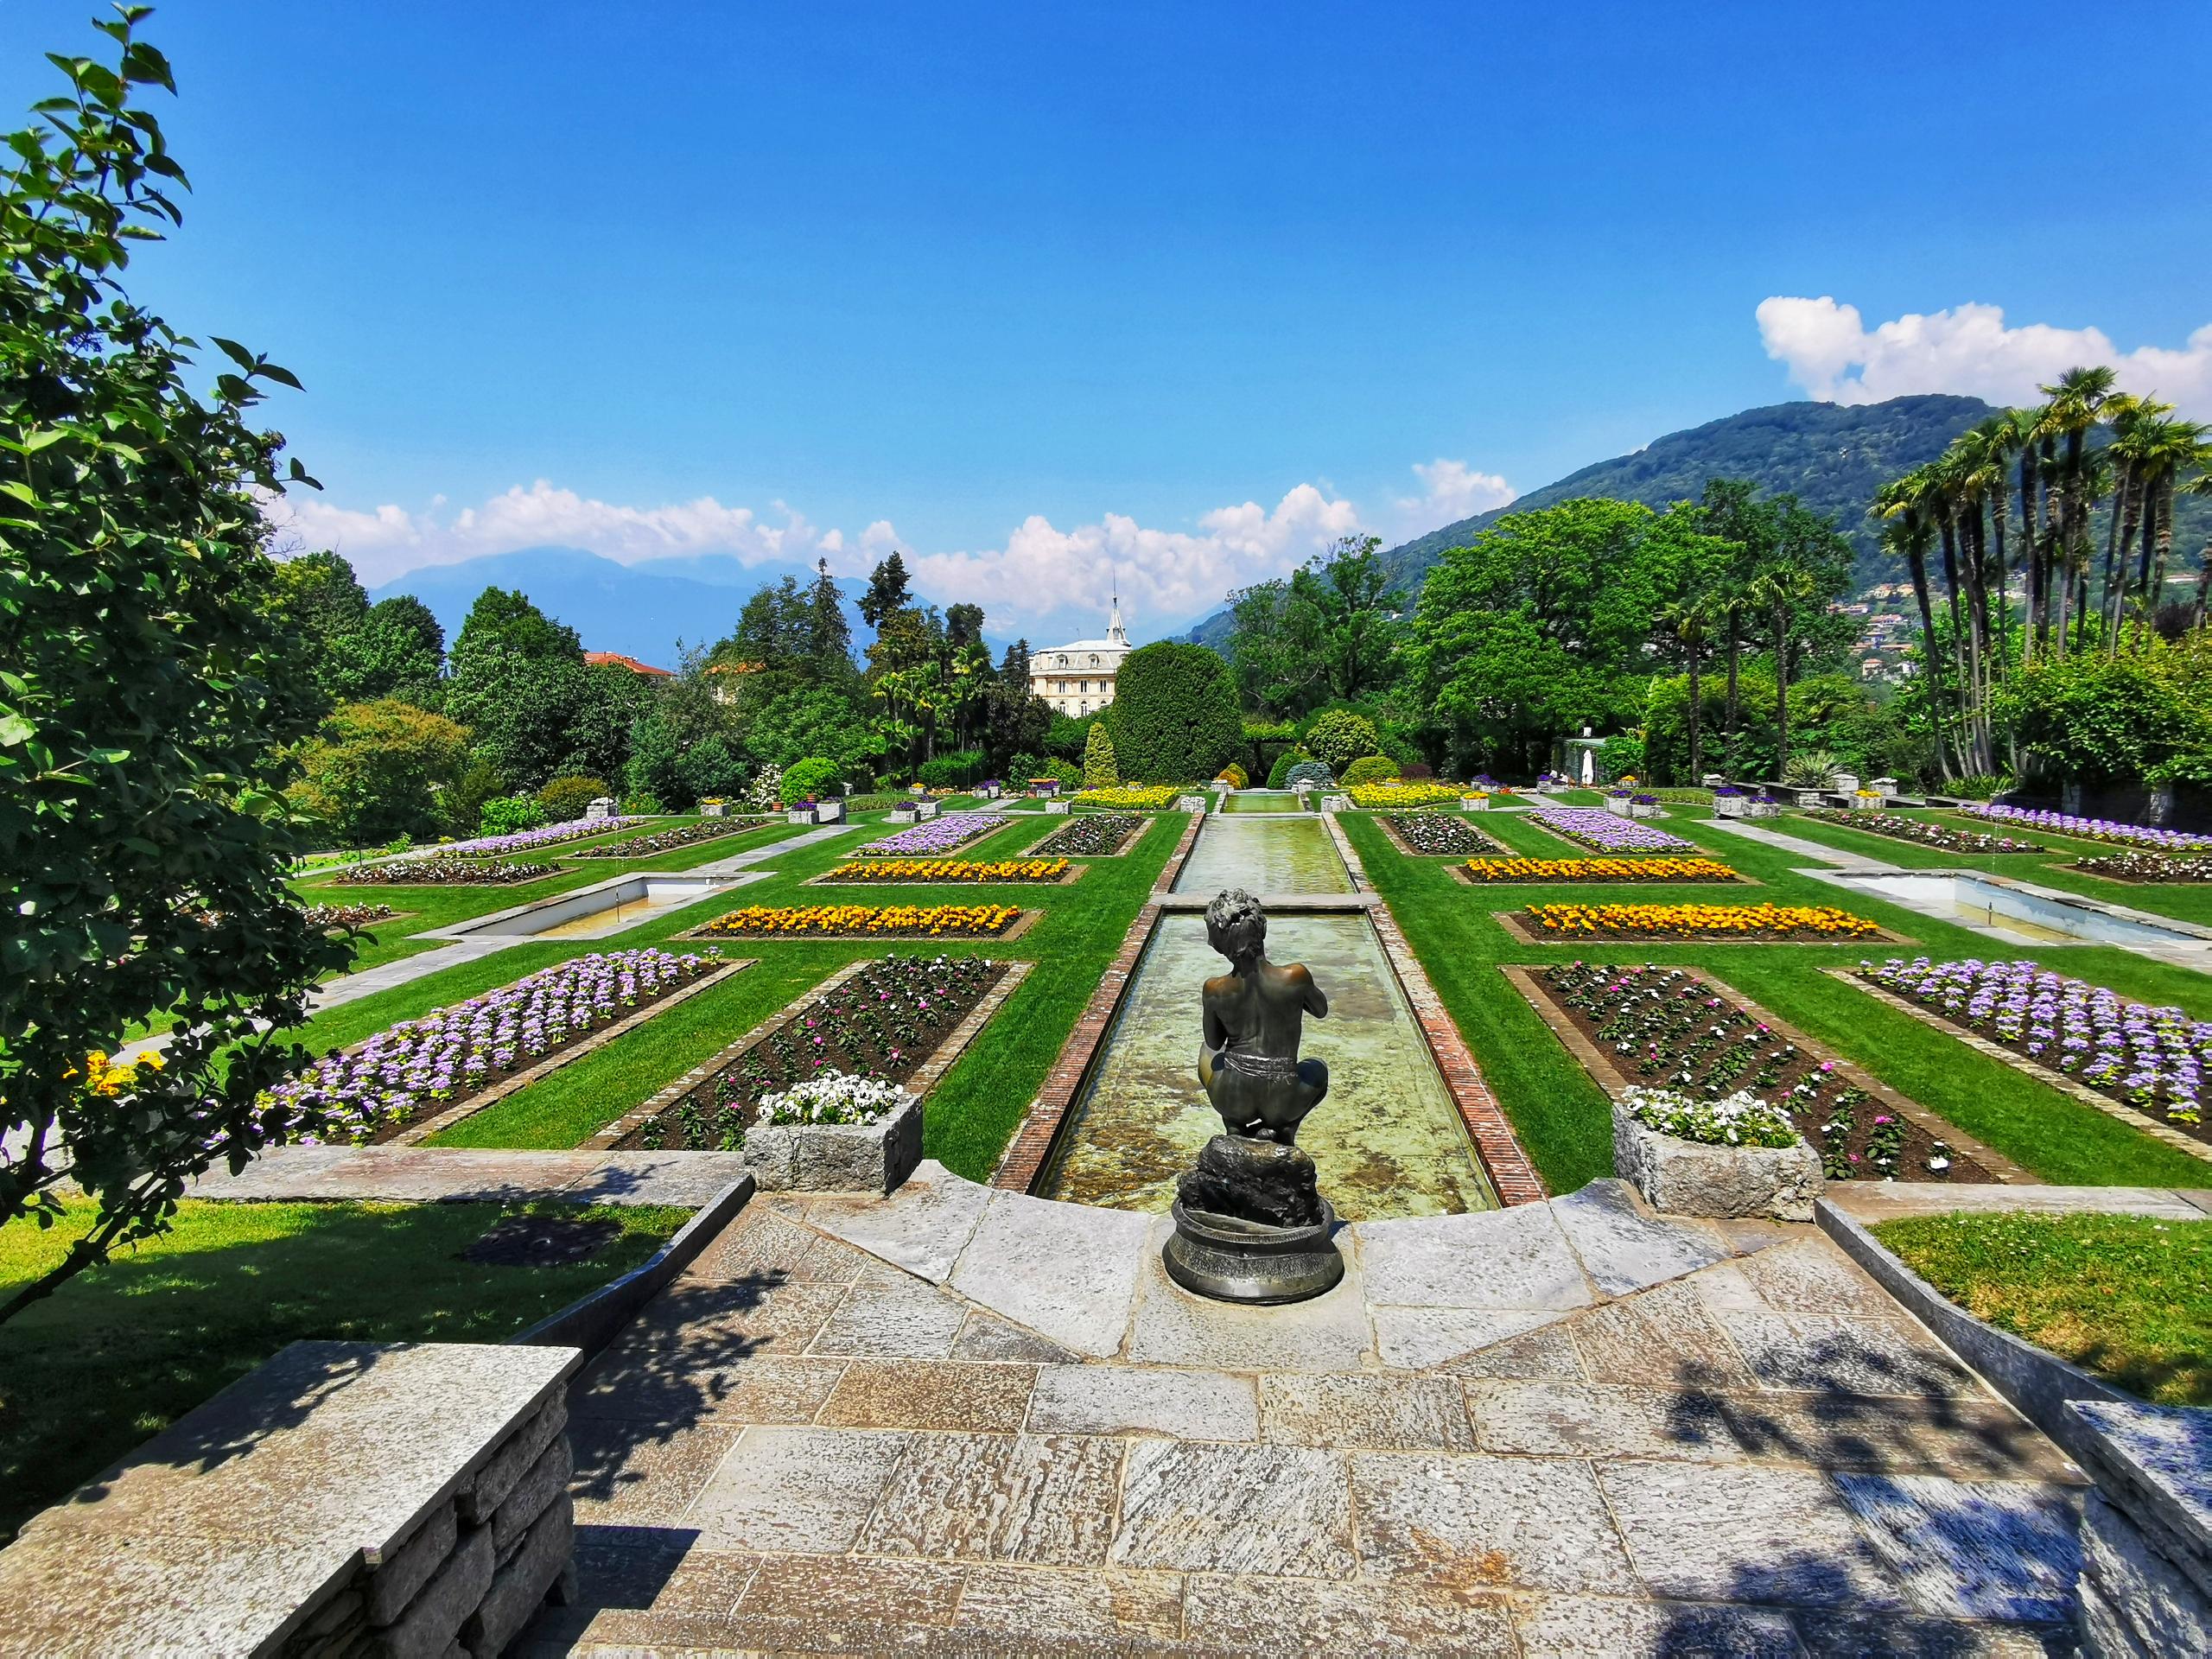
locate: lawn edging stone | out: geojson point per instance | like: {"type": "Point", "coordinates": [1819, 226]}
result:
{"type": "Point", "coordinates": [591, 1321]}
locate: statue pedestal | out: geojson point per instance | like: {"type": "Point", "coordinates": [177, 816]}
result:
{"type": "Point", "coordinates": [1235, 1261]}
{"type": "Point", "coordinates": [1249, 1227]}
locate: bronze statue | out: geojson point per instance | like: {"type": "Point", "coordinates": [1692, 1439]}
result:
{"type": "Point", "coordinates": [1252, 1016]}
{"type": "Point", "coordinates": [1250, 1222]}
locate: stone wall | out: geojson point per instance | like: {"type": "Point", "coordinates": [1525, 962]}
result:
{"type": "Point", "coordinates": [2146, 1531]}
{"type": "Point", "coordinates": [343, 1499]}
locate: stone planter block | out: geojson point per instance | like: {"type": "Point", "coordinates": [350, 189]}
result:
{"type": "Point", "coordinates": [1884, 787]}
{"type": "Point", "coordinates": [836, 1157]}
{"type": "Point", "coordinates": [1638, 810]}
{"type": "Point", "coordinates": [1809, 797]}
{"type": "Point", "coordinates": [1476, 803]}
{"type": "Point", "coordinates": [1713, 780]}
{"type": "Point", "coordinates": [1844, 782]}
{"type": "Point", "coordinates": [800, 814]}
{"type": "Point", "coordinates": [926, 810]}
{"type": "Point", "coordinates": [1191, 803]}
{"type": "Point", "coordinates": [2146, 1531]}
{"type": "Point", "coordinates": [1866, 802]}
{"type": "Point", "coordinates": [1728, 807]}
{"type": "Point", "coordinates": [601, 808]}
{"type": "Point", "coordinates": [1762, 809]}
{"type": "Point", "coordinates": [830, 812]}
{"type": "Point", "coordinates": [1336, 803]}
{"type": "Point", "coordinates": [714, 809]}
{"type": "Point", "coordinates": [1685, 1178]}
{"type": "Point", "coordinates": [905, 815]}
{"type": "Point", "coordinates": [1062, 807]}
{"type": "Point", "coordinates": [1617, 805]}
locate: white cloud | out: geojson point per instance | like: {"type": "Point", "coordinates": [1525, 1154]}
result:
{"type": "Point", "coordinates": [1831, 352]}
{"type": "Point", "coordinates": [1166, 578]}
{"type": "Point", "coordinates": [1450, 491]}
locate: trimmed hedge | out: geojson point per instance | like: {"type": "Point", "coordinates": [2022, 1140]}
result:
{"type": "Point", "coordinates": [1174, 717]}
{"type": "Point", "coordinates": [1370, 769]}
{"type": "Point", "coordinates": [1340, 737]}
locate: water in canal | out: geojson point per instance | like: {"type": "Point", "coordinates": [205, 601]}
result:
{"type": "Point", "coordinates": [1263, 855]}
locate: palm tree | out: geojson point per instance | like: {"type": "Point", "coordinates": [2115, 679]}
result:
{"type": "Point", "coordinates": [1779, 592]}
{"type": "Point", "coordinates": [2201, 485]}
{"type": "Point", "coordinates": [2022, 427]}
{"type": "Point", "coordinates": [1991, 445]}
{"type": "Point", "coordinates": [1903, 503]}
{"type": "Point", "coordinates": [1690, 621]}
{"type": "Point", "coordinates": [2067, 418]}
{"type": "Point", "coordinates": [2177, 447]}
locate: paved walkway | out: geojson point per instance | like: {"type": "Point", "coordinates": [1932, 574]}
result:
{"type": "Point", "coordinates": [962, 1422]}
{"type": "Point", "coordinates": [440, 1174]}
{"type": "Point", "coordinates": [1798, 847]}
{"type": "Point", "coordinates": [1871, 1202]}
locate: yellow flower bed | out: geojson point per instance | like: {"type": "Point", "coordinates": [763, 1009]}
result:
{"type": "Point", "coordinates": [109, 1081]}
{"type": "Point", "coordinates": [951, 869]}
{"type": "Point", "coordinates": [923, 921]}
{"type": "Point", "coordinates": [1698, 922]}
{"type": "Point", "coordinates": [1396, 798]}
{"type": "Point", "coordinates": [1132, 798]}
{"type": "Point", "coordinates": [1599, 869]}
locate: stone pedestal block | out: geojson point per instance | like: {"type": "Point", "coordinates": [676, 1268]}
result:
{"type": "Point", "coordinates": [1685, 1178]}
{"type": "Point", "coordinates": [836, 1157]}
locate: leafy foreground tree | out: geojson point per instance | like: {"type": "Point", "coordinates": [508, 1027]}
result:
{"type": "Point", "coordinates": [1174, 718]}
{"type": "Point", "coordinates": [145, 689]}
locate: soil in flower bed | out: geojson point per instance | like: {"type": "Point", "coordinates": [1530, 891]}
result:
{"type": "Point", "coordinates": [2149, 1059]}
{"type": "Point", "coordinates": [863, 921]}
{"type": "Point", "coordinates": [1493, 872]}
{"type": "Point", "coordinates": [1668, 1028]}
{"type": "Point", "coordinates": [1437, 835]}
{"type": "Point", "coordinates": [429, 1066]}
{"type": "Point", "coordinates": [667, 841]}
{"type": "Point", "coordinates": [2145, 869]}
{"type": "Point", "coordinates": [444, 870]}
{"type": "Point", "coordinates": [1091, 834]}
{"type": "Point", "coordinates": [1654, 924]}
{"type": "Point", "coordinates": [1921, 832]}
{"type": "Point", "coordinates": [885, 1022]}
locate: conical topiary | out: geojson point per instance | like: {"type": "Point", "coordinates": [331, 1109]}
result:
{"type": "Point", "coordinates": [1098, 769]}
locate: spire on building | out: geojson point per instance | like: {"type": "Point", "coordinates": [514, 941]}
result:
{"type": "Point", "coordinates": [1116, 633]}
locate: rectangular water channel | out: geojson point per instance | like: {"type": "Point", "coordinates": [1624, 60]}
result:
{"type": "Point", "coordinates": [1387, 1140]}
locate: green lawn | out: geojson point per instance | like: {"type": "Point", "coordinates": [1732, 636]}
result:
{"type": "Point", "coordinates": [123, 1350]}
{"type": "Point", "coordinates": [2127, 1297]}
{"type": "Point", "coordinates": [973, 1112]}
{"type": "Point", "coordinates": [1562, 1115]}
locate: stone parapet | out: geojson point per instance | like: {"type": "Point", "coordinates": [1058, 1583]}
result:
{"type": "Point", "coordinates": [345, 1498]}
{"type": "Point", "coordinates": [2146, 1531]}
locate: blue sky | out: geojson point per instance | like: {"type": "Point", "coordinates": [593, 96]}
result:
{"type": "Point", "coordinates": [1038, 290]}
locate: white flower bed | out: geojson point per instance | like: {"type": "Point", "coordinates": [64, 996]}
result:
{"type": "Point", "coordinates": [833, 1098]}
{"type": "Point", "coordinates": [1740, 1120]}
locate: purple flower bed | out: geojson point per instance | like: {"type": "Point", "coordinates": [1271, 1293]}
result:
{"type": "Point", "coordinates": [935, 835]}
{"type": "Point", "coordinates": [2151, 1058]}
{"type": "Point", "coordinates": [2066, 823]}
{"type": "Point", "coordinates": [1608, 832]}
{"type": "Point", "coordinates": [450, 1054]}
{"type": "Point", "coordinates": [522, 840]}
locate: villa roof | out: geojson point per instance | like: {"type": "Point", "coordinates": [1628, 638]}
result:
{"type": "Point", "coordinates": [601, 659]}
{"type": "Point", "coordinates": [1081, 645]}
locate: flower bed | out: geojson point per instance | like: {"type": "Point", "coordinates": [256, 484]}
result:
{"type": "Point", "coordinates": [667, 841]}
{"type": "Point", "coordinates": [1921, 832]}
{"type": "Point", "coordinates": [451, 1055]}
{"type": "Point", "coordinates": [444, 869]}
{"type": "Point", "coordinates": [2066, 823]}
{"type": "Point", "coordinates": [1739, 1119]}
{"type": "Point", "coordinates": [347, 915]}
{"type": "Point", "coordinates": [1131, 798]}
{"type": "Point", "coordinates": [523, 841]}
{"type": "Point", "coordinates": [1608, 832]}
{"type": "Point", "coordinates": [1487, 871]}
{"type": "Point", "coordinates": [1659, 922]}
{"type": "Point", "coordinates": [873, 921]}
{"type": "Point", "coordinates": [2145, 867]}
{"type": "Point", "coordinates": [1438, 835]}
{"type": "Point", "coordinates": [1091, 834]}
{"type": "Point", "coordinates": [2149, 1058]}
{"type": "Point", "coordinates": [935, 835]}
{"type": "Point", "coordinates": [949, 870]}
{"type": "Point", "coordinates": [882, 1024]}
{"type": "Point", "coordinates": [1401, 798]}
{"type": "Point", "coordinates": [1668, 1028]}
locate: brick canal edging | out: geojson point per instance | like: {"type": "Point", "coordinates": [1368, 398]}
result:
{"type": "Point", "coordinates": [1614, 1081]}
{"type": "Point", "coordinates": [1031, 1148]}
{"type": "Point", "coordinates": [924, 1078]}
{"type": "Point", "coordinates": [1511, 1172]}
{"type": "Point", "coordinates": [2021, 1062]}
{"type": "Point", "coordinates": [415, 1133]}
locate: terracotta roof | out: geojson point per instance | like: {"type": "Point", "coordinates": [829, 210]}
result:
{"type": "Point", "coordinates": [600, 658]}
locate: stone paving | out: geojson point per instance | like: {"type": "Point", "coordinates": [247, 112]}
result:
{"type": "Point", "coordinates": [967, 1420]}
{"type": "Point", "coordinates": [455, 1174]}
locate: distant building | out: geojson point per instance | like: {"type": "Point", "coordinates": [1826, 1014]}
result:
{"type": "Point", "coordinates": [1077, 679]}
{"type": "Point", "coordinates": [601, 658]}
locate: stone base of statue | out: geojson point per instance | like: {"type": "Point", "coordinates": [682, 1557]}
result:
{"type": "Point", "coordinates": [1251, 1227]}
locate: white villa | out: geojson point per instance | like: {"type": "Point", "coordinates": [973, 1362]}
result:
{"type": "Point", "coordinates": [1077, 679]}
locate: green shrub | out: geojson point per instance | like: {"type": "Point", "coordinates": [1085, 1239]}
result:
{"type": "Point", "coordinates": [1340, 737]}
{"type": "Point", "coordinates": [1279, 773]}
{"type": "Point", "coordinates": [1371, 769]}
{"type": "Point", "coordinates": [569, 798]}
{"type": "Point", "coordinates": [953, 771]}
{"type": "Point", "coordinates": [1622, 756]}
{"type": "Point", "coordinates": [506, 815]}
{"type": "Point", "coordinates": [1310, 774]}
{"type": "Point", "coordinates": [1099, 770]}
{"type": "Point", "coordinates": [1174, 717]}
{"type": "Point", "coordinates": [806, 780]}
{"type": "Point", "coordinates": [1235, 776]}
{"type": "Point", "coordinates": [1069, 776]}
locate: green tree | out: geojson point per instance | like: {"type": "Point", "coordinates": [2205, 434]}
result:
{"type": "Point", "coordinates": [1174, 717]}
{"type": "Point", "coordinates": [318, 597]}
{"type": "Point", "coordinates": [1098, 768]}
{"type": "Point", "coordinates": [1340, 737]}
{"type": "Point", "coordinates": [520, 686]}
{"type": "Point", "coordinates": [376, 770]}
{"type": "Point", "coordinates": [397, 650]}
{"type": "Point", "coordinates": [814, 722]}
{"type": "Point", "coordinates": [149, 693]}
{"type": "Point", "coordinates": [887, 591]}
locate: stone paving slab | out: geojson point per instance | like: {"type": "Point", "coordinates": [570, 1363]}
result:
{"type": "Point", "coordinates": [959, 1422]}
{"type": "Point", "coordinates": [460, 1175]}
{"type": "Point", "coordinates": [1871, 1202]}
